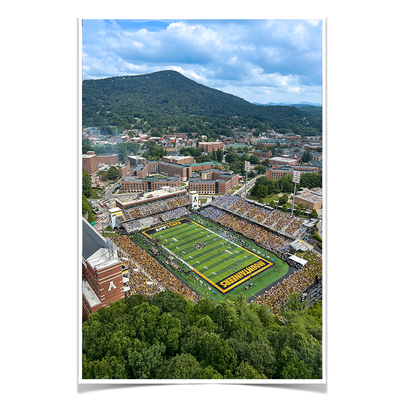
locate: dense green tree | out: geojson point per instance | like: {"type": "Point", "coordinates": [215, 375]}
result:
{"type": "Point", "coordinates": [168, 301]}
{"type": "Point", "coordinates": [86, 146]}
{"type": "Point", "coordinates": [231, 157]}
{"type": "Point", "coordinates": [262, 191]}
{"type": "Point", "coordinates": [168, 332]}
{"type": "Point", "coordinates": [87, 209]}
{"type": "Point", "coordinates": [145, 361]}
{"type": "Point", "coordinates": [310, 180]}
{"type": "Point", "coordinates": [286, 184]}
{"type": "Point", "coordinates": [254, 160]}
{"type": "Point", "coordinates": [295, 368]}
{"type": "Point", "coordinates": [112, 173]}
{"type": "Point", "coordinates": [283, 199]}
{"type": "Point", "coordinates": [246, 371]}
{"type": "Point", "coordinates": [314, 213]}
{"type": "Point", "coordinates": [206, 324]}
{"type": "Point", "coordinates": [203, 158]}
{"type": "Point", "coordinates": [244, 157]}
{"type": "Point", "coordinates": [182, 366]}
{"type": "Point", "coordinates": [306, 157]}
{"type": "Point", "coordinates": [86, 184]}
{"type": "Point", "coordinates": [168, 337]}
{"type": "Point", "coordinates": [260, 168]}
{"type": "Point", "coordinates": [220, 155]}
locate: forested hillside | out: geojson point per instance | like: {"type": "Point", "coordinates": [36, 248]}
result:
{"type": "Point", "coordinates": [168, 337]}
{"type": "Point", "coordinates": [160, 97]}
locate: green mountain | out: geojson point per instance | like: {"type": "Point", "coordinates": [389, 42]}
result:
{"type": "Point", "coordinates": [161, 97]}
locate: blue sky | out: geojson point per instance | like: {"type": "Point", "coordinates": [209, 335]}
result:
{"type": "Point", "coordinates": [258, 60]}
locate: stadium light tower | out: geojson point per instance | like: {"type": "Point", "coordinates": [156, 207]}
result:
{"type": "Point", "coordinates": [296, 179]}
{"type": "Point", "coordinates": [247, 169]}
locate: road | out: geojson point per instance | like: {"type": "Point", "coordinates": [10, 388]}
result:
{"type": "Point", "coordinates": [109, 194]}
{"type": "Point", "coordinates": [249, 186]}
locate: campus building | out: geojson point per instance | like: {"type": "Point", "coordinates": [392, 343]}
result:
{"type": "Point", "coordinates": [208, 147]}
{"type": "Point", "coordinates": [107, 158]}
{"type": "Point", "coordinates": [132, 184]}
{"type": "Point", "coordinates": [283, 161]}
{"type": "Point", "coordinates": [178, 159]}
{"type": "Point", "coordinates": [134, 160]}
{"type": "Point", "coordinates": [213, 182]}
{"type": "Point", "coordinates": [90, 162]}
{"type": "Point", "coordinates": [138, 171]}
{"type": "Point", "coordinates": [277, 171]}
{"type": "Point", "coordinates": [171, 169]}
{"type": "Point", "coordinates": [312, 198]}
{"type": "Point", "coordinates": [102, 280]}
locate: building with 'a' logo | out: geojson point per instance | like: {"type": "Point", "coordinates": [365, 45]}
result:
{"type": "Point", "coordinates": [102, 280]}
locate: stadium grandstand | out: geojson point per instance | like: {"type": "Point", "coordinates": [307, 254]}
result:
{"type": "Point", "coordinates": [275, 220]}
{"type": "Point", "coordinates": [140, 212]}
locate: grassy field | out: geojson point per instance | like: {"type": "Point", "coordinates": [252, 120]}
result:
{"type": "Point", "coordinates": [219, 266]}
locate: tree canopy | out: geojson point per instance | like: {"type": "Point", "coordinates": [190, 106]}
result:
{"type": "Point", "coordinates": [168, 337]}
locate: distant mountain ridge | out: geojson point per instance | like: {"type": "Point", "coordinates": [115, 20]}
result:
{"type": "Point", "coordinates": [162, 95]}
{"type": "Point", "coordinates": [302, 103]}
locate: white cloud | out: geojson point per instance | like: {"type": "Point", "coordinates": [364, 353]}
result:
{"type": "Point", "coordinates": [293, 89]}
{"type": "Point", "coordinates": [313, 22]}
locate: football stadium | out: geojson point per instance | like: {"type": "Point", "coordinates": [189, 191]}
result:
{"type": "Point", "coordinates": [166, 241]}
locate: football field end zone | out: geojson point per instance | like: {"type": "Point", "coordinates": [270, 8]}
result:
{"type": "Point", "coordinates": [165, 225]}
{"type": "Point", "coordinates": [238, 277]}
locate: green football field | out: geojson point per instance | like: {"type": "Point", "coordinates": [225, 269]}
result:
{"type": "Point", "coordinates": [219, 262]}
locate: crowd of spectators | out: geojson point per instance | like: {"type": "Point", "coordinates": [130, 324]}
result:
{"type": "Point", "coordinates": [147, 222]}
{"type": "Point", "coordinates": [139, 282]}
{"type": "Point", "coordinates": [132, 226]}
{"type": "Point", "coordinates": [276, 297]}
{"type": "Point", "coordinates": [155, 207]}
{"type": "Point", "coordinates": [153, 268]}
{"type": "Point", "coordinates": [173, 214]}
{"type": "Point", "coordinates": [287, 224]}
{"type": "Point", "coordinates": [264, 238]}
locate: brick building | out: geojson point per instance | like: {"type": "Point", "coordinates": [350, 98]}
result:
{"type": "Point", "coordinates": [205, 165]}
{"type": "Point", "coordinates": [123, 168]}
{"type": "Point", "coordinates": [277, 171]}
{"type": "Point", "coordinates": [262, 154]}
{"type": "Point", "coordinates": [107, 158]}
{"type": "Point", "coordinates": [171, 169]}
{"type": "Point", "coordinates": [178, 159]}
{"type": "Point", "coordinates": [312, 146]}
{"type": "Point", "coordinates": [291, 136]}
{"type": "Point", "coordinates": [214, 182]}
{"type": "Point", "coordinates": [208, 147]}
{"type": "Point", "coordinates": [283, 161]}
{"type": "Point", "coordinates": [153, 166]}
{"type": "Point", "coordinates": [269, 143]}
{"type": "Point", "coordinates": [132, 184]}
{"type": "Point", "coordinates": [134, 160]}
{"type": "Point", "coordinates": [139, 171]}
{"type": "Point", "coordinates": [90, 163]}
{"type": "Point", "coordinates": [312, 198]}
{"type": "Point", "coordinates": [102, 280]}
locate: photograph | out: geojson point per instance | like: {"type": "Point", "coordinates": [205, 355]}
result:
{"type": "Point", "coordinates": [202, 173]}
